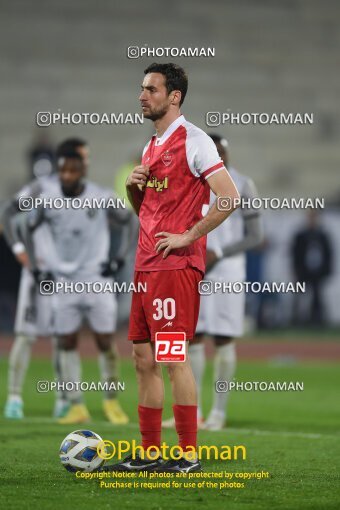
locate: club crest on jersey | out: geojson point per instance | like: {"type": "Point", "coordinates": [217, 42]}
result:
{"type": "Point", "coordinates": [91, 212]}
{"type": "Point", "coordinates": [167, 158]}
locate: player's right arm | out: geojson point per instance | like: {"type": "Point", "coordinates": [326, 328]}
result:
{"type": "Point", "coordinates": [135, 186]}
{"type": "Point", "coordinates": [31, 221]}
{"type": "Point", "coordinates": [11, 233]}
{"type": "Point", "coordinates": [12, 221]}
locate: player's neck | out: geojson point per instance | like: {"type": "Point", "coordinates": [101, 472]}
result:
{"type": "Point", "coordinates": [161, 125]}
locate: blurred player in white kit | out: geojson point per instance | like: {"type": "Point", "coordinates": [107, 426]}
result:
{"type": "Point", "coordinates": [82, 243]}
{"type": "Point", "coordinates": [29, 294]}
{"type": "Point", "coordinates": [34, 313]}
{"type": "Point", "coordinates": [221, 315]}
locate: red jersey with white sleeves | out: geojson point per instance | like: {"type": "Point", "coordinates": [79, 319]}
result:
{"type": "Point", "coordinates": [176, 194]}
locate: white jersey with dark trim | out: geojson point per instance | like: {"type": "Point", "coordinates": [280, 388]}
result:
{"type": "Point", "coordinates": [230, 232]}
{"type": "Point", "coordinates": [81, 235]}
{"type": "Point", "coordinates": [43, 244]}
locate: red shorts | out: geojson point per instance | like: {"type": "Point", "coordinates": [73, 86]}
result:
{"type": "Point", "coordinates": [171, 303]}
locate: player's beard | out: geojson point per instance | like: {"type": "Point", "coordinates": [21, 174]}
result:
{"type": "Point", "coordinates": [156, 113]}
{"type": "Point", "coordinates": [73, 190]}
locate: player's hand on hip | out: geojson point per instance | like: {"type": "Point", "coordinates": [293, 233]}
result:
{"type": "Point", "coordinates": [211, 260]}
{"type": "Point", "coordinates": [138, 176]}
{"type": "Point", "coordinates": [23, 259]}
{"type": "Point", "coordinates": [172, 242]}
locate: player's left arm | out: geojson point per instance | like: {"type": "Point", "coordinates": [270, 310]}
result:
{"type": "Point", "coordinates": [226, 192]}
{"type": "Point", "coordinates": [121, 218]}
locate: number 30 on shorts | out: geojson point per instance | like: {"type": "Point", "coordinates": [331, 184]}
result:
{"type": "Point", "coordinates": [165, 309]}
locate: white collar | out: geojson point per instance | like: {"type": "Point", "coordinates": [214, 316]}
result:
{"type": "Point", "coordinates": [171, 129]}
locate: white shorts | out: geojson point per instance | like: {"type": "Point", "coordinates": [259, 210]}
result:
{"type": "Point", "coordinates": [99, 310]}
{"type": "Point", "coordinates": [34, 313]}
{"type": "Point", "coordinates": [222, 314]}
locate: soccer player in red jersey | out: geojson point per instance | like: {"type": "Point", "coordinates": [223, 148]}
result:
{"type": "Point", "coordinates": [170, 193]}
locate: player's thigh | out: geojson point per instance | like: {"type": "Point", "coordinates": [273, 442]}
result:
{"type": "Point", "coordinates": [225, 314]}
{"type": "Point", "coordinates": [45, 314]}
{"type": "Point", "coordinates": [138, 326]}
{"type": "Point", "coordinates": [68, 313]}
{"type": "Point", "coordinates": [172, 302]}
{"type": "Point", "coordinates": [101, 312]}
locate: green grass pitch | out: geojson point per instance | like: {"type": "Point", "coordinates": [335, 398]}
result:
{"type": "Point", "coordinates": [293, 435]}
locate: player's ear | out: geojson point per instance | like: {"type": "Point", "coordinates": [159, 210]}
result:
{"type": "Point", "coordinates": [175, 97]}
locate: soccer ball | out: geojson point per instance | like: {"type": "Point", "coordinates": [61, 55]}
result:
{"type": "Point", "coordinates": [78, 451]}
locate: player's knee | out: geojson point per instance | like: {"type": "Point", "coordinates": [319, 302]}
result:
{"type": "Point", "coordinates": [67, 342]}
{"type": "Point", "coordinates": [174, 368]}
{"type": "Point", "coordinates": [25, 340]}
{"type": "Point", "coordinates": [222, 340]}
{"type": "Point", "coordinates": [143, 364]}
{"type": "Point", "coordinates": [198, 339]}
{"type": "Point", "coordinates": [103, 341]}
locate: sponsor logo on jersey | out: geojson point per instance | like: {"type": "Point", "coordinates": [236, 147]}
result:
{"type": "Point", "coordinates": [156, 184]}
{"type": "Point", "coordinates": [170, 346]}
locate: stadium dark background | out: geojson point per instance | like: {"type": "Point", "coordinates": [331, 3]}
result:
{"type": "Point", "coordinates": [270, 57]}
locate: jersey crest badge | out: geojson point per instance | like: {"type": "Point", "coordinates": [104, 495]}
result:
{"type": "Point", "coordinates": [167, 158]}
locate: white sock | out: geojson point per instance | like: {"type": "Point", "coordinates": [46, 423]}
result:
{"type": "Point", "coordinates": [61, 394]}
{"type": "Point", "coordinates": [197, 361]}
{"type": "Point", "coordinates": [71, 372]}
{"type": "Point", "coordinates": [18, 363]}
{"type": "Point", "coordinates": [107, 361]}
{"type": "Point", "coordinates": [224, 370]}
{"type": "Point", "coordinates": [15, 398]}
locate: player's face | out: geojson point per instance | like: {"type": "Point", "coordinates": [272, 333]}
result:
{"type": "Point", "coordinates": [154, 98]}
{"type": "Point", "coordinates": [84, 153]}
{"type": "Point", "coordinates": [70, 175]}
{"type": "Point", "coordinates": [223, 153]}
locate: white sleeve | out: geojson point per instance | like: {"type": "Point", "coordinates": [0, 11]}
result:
{"type": "Point", "coordinates": [202, 155]}
{"type": "Point", "coordinates": [146, 147]}
{"type": "Point", "coordinates": [32, 190]}
{"type": "Point", "coordinates": [249, 192]}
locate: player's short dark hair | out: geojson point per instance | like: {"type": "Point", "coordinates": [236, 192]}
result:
{"type": "Point", "coordinates": [219, 139]}
{"type": "Point", "coordinates": [175, 77]}
{"type": "Point", "coordinates": [69, 155]}
{"type": "Point", "coordinates": [70, 145]}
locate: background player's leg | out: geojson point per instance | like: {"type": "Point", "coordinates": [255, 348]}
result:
{"type": "Point", "coordinates": [108, 366]}
{"type": "Point", "coordinates": [71, 372]}
{"type": "Point", "coordinates": [197, 360]}
{"type": "Point", "coordinates": [18, 362]}
{"type": "Point", "coordinates": [224, 370]}
{"type": "Point", "coordinates": [62, 403]}
{"type": "Point", "coordinates": [150, 393]}
{"type": "Point", "coordinates": [25, 335]}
